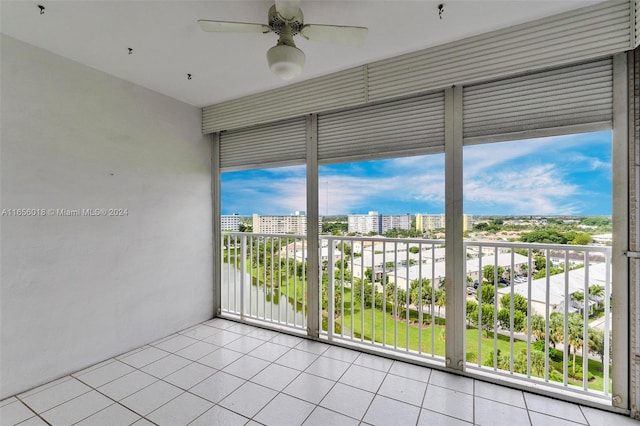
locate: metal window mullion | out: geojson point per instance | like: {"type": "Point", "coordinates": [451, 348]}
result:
{"type": "Point", "coordinates": [216, 228]}
{"type": "Point", "coordinates": [620, 264]}
{"type": "Point", "coordinates": [313, 238]}
{"type": "Point", "coordinates": [454, 325]}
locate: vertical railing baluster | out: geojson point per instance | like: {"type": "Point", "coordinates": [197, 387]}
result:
{"type": "Point", "coordinates": [330, 295]}
{"type": "Point", "coordinates": [546, 316]}
{"type": "Point", "coordinates": [419, 304]}
{"type": "Point", "coordinates": [362, 282]}
{"type": "Point", "coordinates": [607, 325]}
{"type": "Point", "coordinates": [585, 327]}
{"type": "Point", "coordinates": [243, 268]}
{"type": "Point", "coordinates": [351, 309]}
{"type": "Point", "coordinates": [373, 295]}
{"type": "Point", "coordinates": [479, 296]}
{"type": "Point", "coordinates": [511, 312]}
{"type": "Point", "coordinates": [341, 289]}
{"type": "Point", "coordinates": [406, 297]}
{"type": "Point", "coordinates": [384, 294]}
{"type": "Point", "coordinates": [495, 307]}
{"type": "Point", "coordinates": [529, 313]}
{"type": "Point", "coordinates": [304, 287]}
{"type": "Point", "coordinates": [565, 331]}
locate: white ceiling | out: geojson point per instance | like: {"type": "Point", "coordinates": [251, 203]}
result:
{"type": "Point", "coordinates": [168, 43]}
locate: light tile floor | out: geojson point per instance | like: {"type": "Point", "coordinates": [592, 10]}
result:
{"type": "Point", "coordinates": [225, 373]}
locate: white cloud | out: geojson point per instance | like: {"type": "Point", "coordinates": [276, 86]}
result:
{"type": "Point", "coordinates": [534, 190]}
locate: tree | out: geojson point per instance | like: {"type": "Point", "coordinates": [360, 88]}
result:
{"type": "Point", "coordinates": [471, 308]}
{"type": "Point", "coordinates": [519, 302]}
{"type": "Point", "coordinates": [362, 293]}
{"type": "Point", "coordinates": [487, 293]}
{"type": "Point", "coordinates": [556, 328]}
{"type": "Point", "coordinates": [575, 338]}
{"type": "Point", "coordinates": [582, 239]}
{"type": "Point", "coordinates": [596, 292]}
{"type": "Point", "coordinates": [596, 343]}
{"type": "Point", "coordinates": [420, 293]}
{"type": "Point", "coordinates": [578, 296]}
{"type": "Point", "coordinates": [489, 274]}
{"type": "Point", "coordinates": [537, 362]}
{"type": "Point", "coordinates": [504, 319]}
{"type": "Point", "coordinates": [487, 323]}
{"type": "Point", "coordinates": [441, 299]}
{"type": "Point", "coordinates": [345, 248]}
{"type": "Point", "coordinates": [537, 326]}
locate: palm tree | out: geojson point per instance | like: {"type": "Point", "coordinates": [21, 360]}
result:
{"type": "Point", "coordinates": [441, 299]}
{"type": "Point", "coordinates": [420, 294]}
{"type": "Point", "coordinates": [556, 328]}
{"type": "Point", "coordinates": [596, 293]}
{"type": "Point", "coordinates": [537, 363]}
{"type": "Point", "coordinates": [575, 335]}
{"type": "Point", "coordinates": [578, 296]}
{"type": "Point", "coordinates": [537, 327]}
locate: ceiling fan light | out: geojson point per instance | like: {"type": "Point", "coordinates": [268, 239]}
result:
{"type": "Point", "coordinates": [285, 61]}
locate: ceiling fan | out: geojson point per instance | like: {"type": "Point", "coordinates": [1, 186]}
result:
{"type": "Point", "coordinates": [286, 20]}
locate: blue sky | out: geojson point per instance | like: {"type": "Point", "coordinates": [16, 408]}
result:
{"type": "Point", "coordinates": [563, 175]}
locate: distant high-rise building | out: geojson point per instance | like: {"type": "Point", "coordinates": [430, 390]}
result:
{"type": "Point", "coordinates": [375, 222]}
{"type": "Point", "coordinates": [365, 223]}
{"type": "Point", "coordinates": [430, 222]}
{"type": "Point", "coordinates": [230, 222]}
{"type": "Point", "coordinates": [293, 224]}
{"type": "Point", "coordinates": [396, 221]}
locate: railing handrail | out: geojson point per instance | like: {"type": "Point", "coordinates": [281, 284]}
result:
{"type": "Point", "coordinates": [525, 245]}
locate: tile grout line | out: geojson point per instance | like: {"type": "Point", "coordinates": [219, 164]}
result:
{"type": "Point", "coordinates": [32, 410]}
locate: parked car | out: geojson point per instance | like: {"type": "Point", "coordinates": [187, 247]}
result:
{"type": "Point", "coordinates": [504, 281]}
{"type": "Point", "coordinates": [476, 284]}
{"type": "Point", "coordinates": [471, 291]}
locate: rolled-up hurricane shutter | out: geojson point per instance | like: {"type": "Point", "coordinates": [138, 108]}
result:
{"type": "Point", "coordinates": [562, 100]}
{"type": "Point", "coordinates": [270, 145]}
{"type": "Point", "coordinates": [411, 126]}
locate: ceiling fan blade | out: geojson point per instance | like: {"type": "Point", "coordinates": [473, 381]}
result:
{"type": "Point", "coordinates": [288, 9]}
{"type": "Point", "coordinates": [232, 27]}
{"type": "Point", "coordinates": [348, 36]}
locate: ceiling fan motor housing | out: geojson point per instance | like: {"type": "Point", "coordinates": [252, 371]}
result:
{"type": "Point", "coordinates": [278, 23]}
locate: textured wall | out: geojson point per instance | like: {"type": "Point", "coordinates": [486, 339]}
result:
{"type": "Point", "coordinates": [78, 289]}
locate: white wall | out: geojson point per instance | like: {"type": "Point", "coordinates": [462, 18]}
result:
{"type": "Point", "coordinates": [77, 290]}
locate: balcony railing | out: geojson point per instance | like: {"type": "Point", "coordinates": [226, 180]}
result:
{"type": "Point", "coordinates": [538, 314]}
{"type": "Point", "coordinates": [264, 278]}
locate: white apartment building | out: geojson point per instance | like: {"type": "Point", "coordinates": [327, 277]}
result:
{"type": "Point", "coordinates": [375, 222]}
{"type": "Point", "coordinates": [365, 223]}
{"type": "Point", "coordinates": [292, 224]}
{"type": "Point", "coordinates": [396, 221]}
{"type": "Point", "coordinates": [230, 222]}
